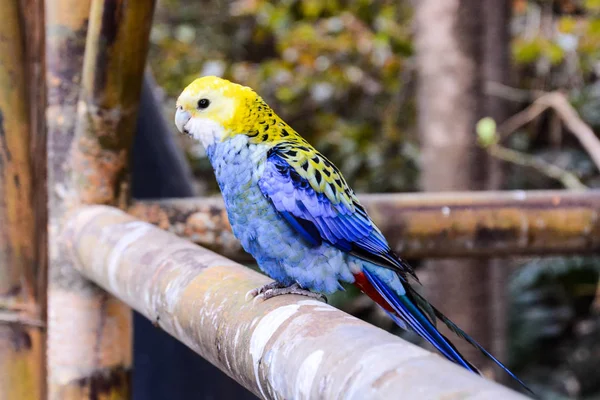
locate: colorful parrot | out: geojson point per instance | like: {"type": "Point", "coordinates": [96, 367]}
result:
{"type": "Point", "coordinates": [294, 212]}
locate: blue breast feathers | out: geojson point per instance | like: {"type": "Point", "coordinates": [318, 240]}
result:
{"type": "Point", "coordinates": [317, 219]}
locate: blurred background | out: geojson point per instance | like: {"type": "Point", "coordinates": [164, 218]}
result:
{"type": "Point", "coordinates": [411, 96]}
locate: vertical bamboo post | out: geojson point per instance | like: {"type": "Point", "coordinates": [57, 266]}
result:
{"type": "Point", "coordinates": [113, 72]}
{"type": "Point", "coordinates": [21, 326]}
{"type": "Point", "coordinates": [90, 331]}
{"type": "Point", "coordinates": [69, 356]}
{"type": "Point", "coordinates": [32, 14]}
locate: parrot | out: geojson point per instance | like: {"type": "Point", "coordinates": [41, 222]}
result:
{"type": "Point", "coordinates": [293, 211]}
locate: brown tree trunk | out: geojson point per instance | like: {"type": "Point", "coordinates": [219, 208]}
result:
{"type": "Point", "coordinates": [497, 69]}
{"type": "Point", "coordinates": [450, 98]}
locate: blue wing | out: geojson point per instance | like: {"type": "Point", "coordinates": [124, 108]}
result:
{"type": "Point", "coordinates": [317, 219]}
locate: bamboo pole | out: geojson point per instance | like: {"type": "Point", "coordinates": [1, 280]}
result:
{"type": "Point", "coordinates": [90, 331]}
{"type": "Point", "coordinates": [432, 225]}
{"type": "Point", "coordinates": [21, 324]}
{"type": "Point", "coordinates": [66, 27]}
{"type": "Point", "coordinates": [283, 348]}
{"type": "Point", "coordinates": [32, 13]}
{"type": "Point", "coordinates": [113, 72]}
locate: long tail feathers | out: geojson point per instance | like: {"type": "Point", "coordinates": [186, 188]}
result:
{"type": "Point", "coordinates": [414, 311]}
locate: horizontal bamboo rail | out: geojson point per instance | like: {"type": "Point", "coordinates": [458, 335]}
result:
{"type": "Point", "coordinates": [460, 224]}
{"type": "Point", "coordinates": [286, 347]}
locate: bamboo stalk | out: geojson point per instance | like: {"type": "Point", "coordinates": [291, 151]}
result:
{"type": "Point", "coordinates": [287, 347]}
{"type": "Point", "coordinates": [90, 331]}
{"type": "Point", "coordinates": [430, 225]}
{"type": "Point", "coordinates": [113, 72]}
{"type": "Point", "coordinates": [32, 12]}
{"type": "Point", "coordinates": [68, 354]}
{"type": "Point", "coordinates": [21, 327]}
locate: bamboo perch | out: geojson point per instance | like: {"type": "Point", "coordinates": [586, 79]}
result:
{"type": "Point", "coordinates": [283, 348]}
{"type": "Point", "coordinates": [90, 331]}
{"type": "Point", "coordinates": [467, 224]}
{"type": "Point", "coordinates": [21, 325]}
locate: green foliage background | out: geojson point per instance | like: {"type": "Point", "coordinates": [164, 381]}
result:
{"type": "Point", "coordinates": [337, 71]}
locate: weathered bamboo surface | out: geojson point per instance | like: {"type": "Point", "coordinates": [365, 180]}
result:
{"type": "Point", "coordinates": [419, 225]}
{"type": "Point", "coordinates": [95, 74]}
{"type": "Point", "coordinates": [113, 71]}
{"type": "Point", "coordinates": [71, 357]}
{"type": "Point", "coordinates": [33, 22]}
{"type": "Point", "coordinates": [283, 348]}
{"type": "Point", "coordinates": [21, 324]}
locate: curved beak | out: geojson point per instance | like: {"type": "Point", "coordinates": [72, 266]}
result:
{"type": "Point", "coordinates": [181, 119]}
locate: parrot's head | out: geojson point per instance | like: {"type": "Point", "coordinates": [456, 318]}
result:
{"type": "Point", "coordinates": [211, 109]}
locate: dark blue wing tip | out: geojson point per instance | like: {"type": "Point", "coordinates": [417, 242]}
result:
{"type": "Point", "coordinates": [510, 373]}
{"type": "Point", "coordinates": [428, 331]}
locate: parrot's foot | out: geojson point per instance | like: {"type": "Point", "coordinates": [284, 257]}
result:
{"type": "Point", "coordinates": [269, 286]}
{"type": "Point", "coordinates": [275, 289]}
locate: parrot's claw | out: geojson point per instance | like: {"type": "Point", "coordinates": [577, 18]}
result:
{"type": "Point", "coordinates": [269, 286]}
{"type": "Point", "coordinates": [275, 289]}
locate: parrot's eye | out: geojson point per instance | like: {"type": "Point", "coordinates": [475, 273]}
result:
{"type": "Point", "coordinates": [203, 103]}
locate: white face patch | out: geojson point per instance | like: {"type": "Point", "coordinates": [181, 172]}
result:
{"type": "Point", "coordinates": [205, 130]}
